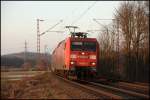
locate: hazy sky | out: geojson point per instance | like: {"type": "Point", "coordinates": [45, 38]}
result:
{"type": "Point", "coordinates": [18, 21]}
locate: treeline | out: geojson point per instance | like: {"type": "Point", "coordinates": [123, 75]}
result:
{"type": "Point", "coordinates": [13, 62]}
{"type": "Point", "coordinates": [17, 60]}
{"type": "Point", "coordinates": [124, 44]}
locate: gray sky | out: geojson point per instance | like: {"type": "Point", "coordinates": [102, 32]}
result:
{"type": "Point", "coordinates": [18, 21]}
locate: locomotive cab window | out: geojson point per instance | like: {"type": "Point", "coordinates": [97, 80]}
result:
{"type": "Point", "coordinates": [83, 46]}
{"type": "Point", "coordinates": [76, 46]}
{"type": "Point", "coordinates": [89, 46]}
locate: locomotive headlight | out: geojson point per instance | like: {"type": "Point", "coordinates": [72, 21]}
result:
{"type": "Point", "coordinates": [72, 62]}
{"type": "Point", "coordinates": [82, 53]}
{"type": "Point", "coordinates": [92, 56]}
{"type": "Point", "coordinates": [93, 63]}
{"type": "Point", "coordinates": [73, 56]}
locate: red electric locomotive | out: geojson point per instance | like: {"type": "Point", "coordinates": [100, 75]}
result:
{"type": "Point", "coordinates": [76, 57]}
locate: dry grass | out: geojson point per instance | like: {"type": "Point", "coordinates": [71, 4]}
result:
{"type": "Point", "coordinates": [29, 87]}
{"type": "Point", "coordinates": [45, 86]}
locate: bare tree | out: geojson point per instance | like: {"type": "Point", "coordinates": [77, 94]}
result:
{"type": "Point", "coordinates": [125, 17]}
{"type": "Point", "coordinates": [139, 22]}
{"type": "Point", "coordinates": [107, 50]}
{"type": "Point", "coordinates": [134, 25]}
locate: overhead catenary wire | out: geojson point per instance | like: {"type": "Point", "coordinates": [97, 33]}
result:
{"type": "Point", "coordinates": [83, 13]}
{"type": "Point", "coordinates": [51, 27]}
{"type": "Point", "coordinates": [80, 15]}
{"type": "Point", "coordinates": [63, 27]}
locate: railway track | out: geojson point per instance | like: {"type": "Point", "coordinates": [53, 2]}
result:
{"type": "Point", "coordinates": [98, 93]}
{"type": "Point", "coordinates": [105, 91]}
{"type": "Point", "coordinates": [142, 84]}
{"type": "Point", "coordinates": [133, 87]}
{"type": "Point", "coordinates": [125, 93]}
{"type": "Point", "coordinates": [142, 88]}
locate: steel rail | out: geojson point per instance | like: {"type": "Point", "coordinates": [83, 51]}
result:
{"type": "Point", "coordinates": [131, 84]}
{"type": "Point", "coordinates": [97, 92]}
{"type": "Point", "coordinates": [132, 93]}
{"type": "Point", "coordinates": [132, 87]}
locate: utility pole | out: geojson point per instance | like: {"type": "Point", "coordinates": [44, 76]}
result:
{"type": "Point", "coordinates": [38, 38]}
{"type": "Point", "coordinates": [25, 50]}
{"type": "Point", "coordinates": [40, 34]}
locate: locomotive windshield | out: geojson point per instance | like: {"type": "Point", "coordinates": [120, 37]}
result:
{"type": "Point", "coordinates": [83, 46]}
